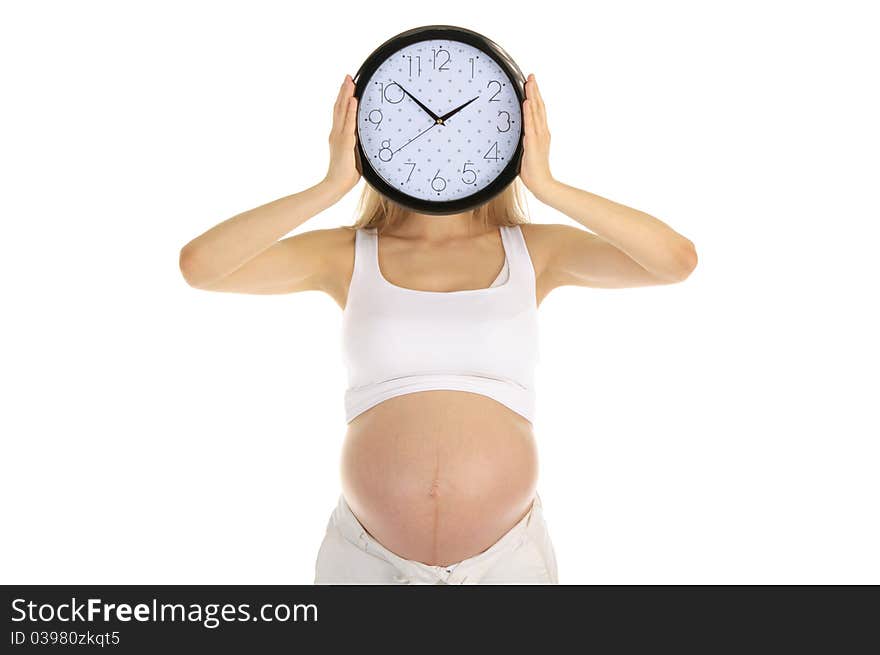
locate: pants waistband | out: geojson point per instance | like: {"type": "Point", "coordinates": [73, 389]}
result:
{"type": "Point", "coordinates": [467, 571]}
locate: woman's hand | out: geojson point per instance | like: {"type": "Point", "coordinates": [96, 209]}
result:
{"type": "Point", "coordinates": [342, 173]}
{"type": "Point", "coordinates": [535, 167]}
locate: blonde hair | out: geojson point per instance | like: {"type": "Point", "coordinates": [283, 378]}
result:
{"type": "Point", "coordinates": [376, 210]}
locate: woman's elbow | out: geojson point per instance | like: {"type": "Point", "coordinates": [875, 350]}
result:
{"type": "Point", "coordinates": [189, 267]}
{"type": "Point", "coordinates": [686, 260]}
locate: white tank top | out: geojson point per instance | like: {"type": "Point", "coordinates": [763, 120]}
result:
{"type": "Point", "coordinates": [397, 340]}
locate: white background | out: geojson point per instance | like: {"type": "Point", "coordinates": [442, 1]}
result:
{"type": "Point", "coordinates": [723, 430]}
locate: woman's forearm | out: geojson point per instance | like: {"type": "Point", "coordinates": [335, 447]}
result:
{"type": "Point", "coordinates": [230, 244]}
{"type": "Point", "coordinates": [647, 240]}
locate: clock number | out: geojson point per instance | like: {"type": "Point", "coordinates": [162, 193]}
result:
{"type": "Point", "coordinates": [413, 164]}
{"type": "Point", "coordinates": [471, 59]}
{"type": "Point", "coordinates": [418, 65]}
{"type": "Point", "coordinates": [438, 183]}
{"type": "Point", "coordinates": [441, 51]}
{"type": "Point", "coordinates": [507, 118]}
{"type": "Point", "coordinates": [385, 153]}
{"type": "Point", "coordinates": [383, 90]}
{"type": "Point", "coordinates": [493, 151]}
{"type": "Point", "coordinates": [489, 85]}
{"type": "Point", "coordinates": [375, 117]}
{"type": "Point", "coordinates": [465, 170]}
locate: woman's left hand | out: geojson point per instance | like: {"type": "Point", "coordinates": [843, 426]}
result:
{"type": "Point", "coordinates": [535, 167]}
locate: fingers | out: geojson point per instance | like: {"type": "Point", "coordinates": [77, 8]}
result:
{"type": "Point", "coordinates": [536, 104]}
{"type": "Point", "coordinates": [340, 106]}
{"type": "Point", "coordinates": [539, 105]}
{"type": "Point", "coordinates": [350, 116]}
{"type": "Point", "coordinates": [338, 103]}
{"type": "Point", "coordinates": [528, 118]}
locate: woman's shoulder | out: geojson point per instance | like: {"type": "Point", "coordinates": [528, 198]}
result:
{"type": "Point", "coordinates": [547, 235]}
{"type": "Point", "coordinates": [339, 243]}
{"type": "Point", "coordinates": [333, 250]}
{"type": "Point", "coordinates": [332, 243]}
{"type": "Point", "coordinates": [540, 239]}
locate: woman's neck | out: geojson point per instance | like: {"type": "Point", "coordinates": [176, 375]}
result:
{"type": "Point", "coordinates": [428, 227]}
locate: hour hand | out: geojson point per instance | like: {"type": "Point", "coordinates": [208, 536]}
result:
{"type": "Point", "coordinates": [416, 100]}
{"type": "Point", "coordinates": [446, 116]}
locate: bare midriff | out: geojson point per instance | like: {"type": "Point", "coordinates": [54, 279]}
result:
{"type": "Point", "coordinates": [439, 476]}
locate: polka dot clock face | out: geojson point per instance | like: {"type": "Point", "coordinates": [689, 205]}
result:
{"type": "Point", "coordinates": [439, 120]}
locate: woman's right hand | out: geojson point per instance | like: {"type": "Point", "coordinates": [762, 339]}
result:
{"type": "Point", "coordinates": [342, 173]}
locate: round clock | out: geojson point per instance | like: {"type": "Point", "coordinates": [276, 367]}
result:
{"type": "Point", "coordinates": [439, 119]}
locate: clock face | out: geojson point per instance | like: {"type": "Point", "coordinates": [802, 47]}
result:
{"type": "Point", "coordinates": [439, 120]}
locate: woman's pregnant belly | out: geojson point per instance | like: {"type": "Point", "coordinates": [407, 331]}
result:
{"type": "Point", "coordinates": [439, 476]}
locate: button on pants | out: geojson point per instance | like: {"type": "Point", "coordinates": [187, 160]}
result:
{"type": "Point", "coordinates": [350, 555]}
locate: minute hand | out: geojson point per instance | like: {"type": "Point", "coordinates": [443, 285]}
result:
{"type": "Point", "coordinates": [448, 114]}
{"type": "Point", "coordinates": [415, 100]}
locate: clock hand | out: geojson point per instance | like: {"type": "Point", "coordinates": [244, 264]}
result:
{"type": "Point", "coordinates": [449, 114]}
{"type": "Point", "coordinates": [415, 100]}
{"type": "Point", "coordinates": [413, 139]}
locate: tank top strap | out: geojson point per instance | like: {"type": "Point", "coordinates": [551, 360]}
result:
{"type": "Point", "coordinates": [363, 277]}
{"type": "Point", "coordinates": [363, 248]}
{"type": "Point", "coordinates": [520, 261]}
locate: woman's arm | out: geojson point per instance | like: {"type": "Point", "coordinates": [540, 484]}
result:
{"type": "Point", "coordinates": [629, 247]}
{"type": "Point", "coordinates": [250, 240]}
{"type": "Point", "coordinates": [247, 246]}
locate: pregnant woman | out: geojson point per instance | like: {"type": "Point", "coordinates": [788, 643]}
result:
{"type": "Point", "coordinates": [439, 464]}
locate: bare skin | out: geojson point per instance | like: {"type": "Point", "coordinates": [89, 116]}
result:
{"type": "Point", "coordinates": [437, 476]}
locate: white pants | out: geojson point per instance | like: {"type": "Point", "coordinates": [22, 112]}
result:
{"type": "Point", "coordinates": [350, 555]}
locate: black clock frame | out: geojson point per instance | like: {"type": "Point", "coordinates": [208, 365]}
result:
{"type": "Point", "coordinates": [450, 33]}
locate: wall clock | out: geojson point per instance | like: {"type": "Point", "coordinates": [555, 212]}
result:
{"type": "Point", "coordinates": [439, 119]}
